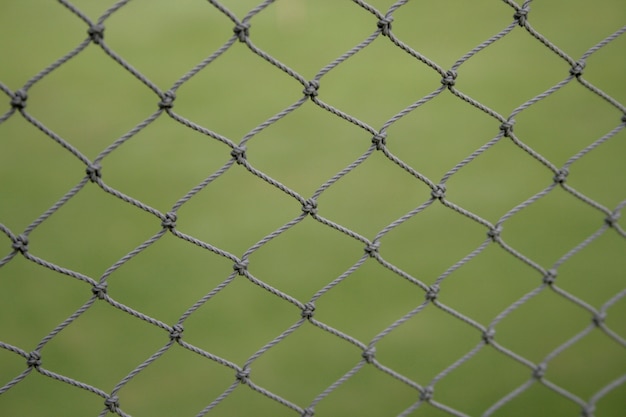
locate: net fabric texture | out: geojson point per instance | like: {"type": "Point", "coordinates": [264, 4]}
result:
{"type": "Point", "coordinates": [237, 153]}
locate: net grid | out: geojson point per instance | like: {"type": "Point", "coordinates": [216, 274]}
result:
{"type": "Point", "coordinates": [312, 91]}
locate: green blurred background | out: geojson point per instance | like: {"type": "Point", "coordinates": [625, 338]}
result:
{"type": "Point", "coordinates": [90, 101]}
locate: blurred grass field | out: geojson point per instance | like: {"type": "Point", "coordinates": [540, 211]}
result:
{"type": "Point", "coordinates": [90, 101]}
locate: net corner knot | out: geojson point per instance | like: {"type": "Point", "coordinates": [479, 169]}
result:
{"type": "Point", "coordinates": [100, 290]}
{"type": "Point", "coordinates": [310, 89]}
{"type": "Point", "coordinates": [96, 33]}
{"type": "Point", "coordinates": [242, 30]}
{"type": "Point", "coordinates": [167, 100]}
{"type": "Point", "coordinates": [540, 371]}
{"type": "Point", "coordinates": [488, 335]}
{"type": "Point", "coordinates": [20, 244]}
{"type": "Point", "coordinates": [561, 176]}
{"type": "Point", "coordinates": [521, 15]}
{"type": "Point", "coordinates": [372, 249]}
{"type": "Point", "coordinates": [379, 140]}
{"type": "Point", "coordinates": [243, 375]}
{"type": "Point", "coordinates": [577, 69]}
{"type": "Point", "coordinates": [599, 318]}
{"type": "Point", "coordinates": [169, 221]}
{"type": "Point", "coordinates": [550, 277]}
{"type": "Point", "coordinates": [310, 207]}
{"type": "Point", "coordinates": [94, 172]}
{"type": "Point", "coordinates": [426, 394]}
{"type": "Point", "coordinates": [439, 192]}
{"type": "Point", "coordinates": [112, 402]}
{"type": "Point", "coordinates": [507, 128]}
{"type": "Point", "coordinates": [307, 412]}
{"type": "Point", "coordinates": [34, 359]}
{"type": "Point", "coordinates": [308, 311]}
{"type": "Point", "coordinates": [432, 293]}
{"type": "Point", "coordinates": [241, 267]}
{"type": "Point", "coordinates": [369, 354]}
{"type": "Point", "coordinates": [176, 332]}
{"type": "Point", "coordinates": [384, 25]}
{"type": "Point", "coordinates": [239, 154]}
{"type": "Point", "coordinates": [494, 233]}
{"type": "Point", "coordinates": [18, 99]}
{"type": "Point", "coordinates": [612, 219]}
{"type": "Point", "coordinates": [449, 79]}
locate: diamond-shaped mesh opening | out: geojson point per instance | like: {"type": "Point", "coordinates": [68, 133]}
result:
{"type": "Point", "coordinates": [179, 366]}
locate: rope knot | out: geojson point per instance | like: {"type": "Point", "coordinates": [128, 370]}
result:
{"type": "Point", "coordinates": [34, 360]}
{"type": "Point", "coordinates": [167, 101]}
{"type": "Point", "coordinates": [612, 220]}
{"type": "Point", "coordinates": [577, 69]}
{"type": "Point", "coordinates": [96, 33]}
{"type": "Point", "coordinates": [540, 371]}
{"type": "Point", "coordinates": [242, 30]}
{"type": "Point", "coordinates": [18, 100]}
{"type": "Point", "coordinates": [549, 277]}
{"type": "Point", "coordinates": [169, 222]}
{"type": "Point", "coordinates": [311, 88]}
{"type": "Point", "coordinates": [561, 176]}
{"type": "Point", "coordinates": [372, 249]}
{"type": "Point", "coordinates": [439, 192]}
{"type": "Point", "coordinates": [494, 233]}
{"type": "Point", "coordinates": [243, 375]}
{"type": "Point", "coordinates": [380, 140]}
{"type": "Point", "coordinates": [94, 172]}
{"type": "Point", "coordinates": [432, 293]}
{"type": "Point", "coordinates": [310, 207]}
{"type": "Point", "coordinates": [449, 79]}
{"type": "Point", "coordinates": [598, 318]}
{"type": "Point", "coordinates": [176, 333]}
{"type": "Point", "coordinates": [308, 311]}
{"type": "Point", "coordinates": [20, 243]}
{"type": "Point", "coordinates": [588, 410]}
{"type": "Point", "coordinates": [384, 25]}
{"type": "Point", "coordinates": [112, 403]}
{"type": "Point", "coordinates": [241, 267]}
{"type": "Point", "coordinates": [520, 16]}
{"type": "Point", "coordinates": [426, 394]}
{"type": "Point", "coordinates": [239, 153]}
{"type": "Point", "coordinates": [489, 335]}
{"type": "Point", "coordinates": [507, 128]}
{"type": "Point", "coordinates": [100, 290]}
{"type": "Point", "coordinates": [369, 354]}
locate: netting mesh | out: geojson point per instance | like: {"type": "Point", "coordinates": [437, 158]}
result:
{"type": "Point", "coordinates": [380, 238]}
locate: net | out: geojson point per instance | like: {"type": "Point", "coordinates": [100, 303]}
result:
{"type": "Point", "coordinates": [339, 208]}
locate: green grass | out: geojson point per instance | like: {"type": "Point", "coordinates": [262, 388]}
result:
{"type": "Point", "coordinates": [91, 101]}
